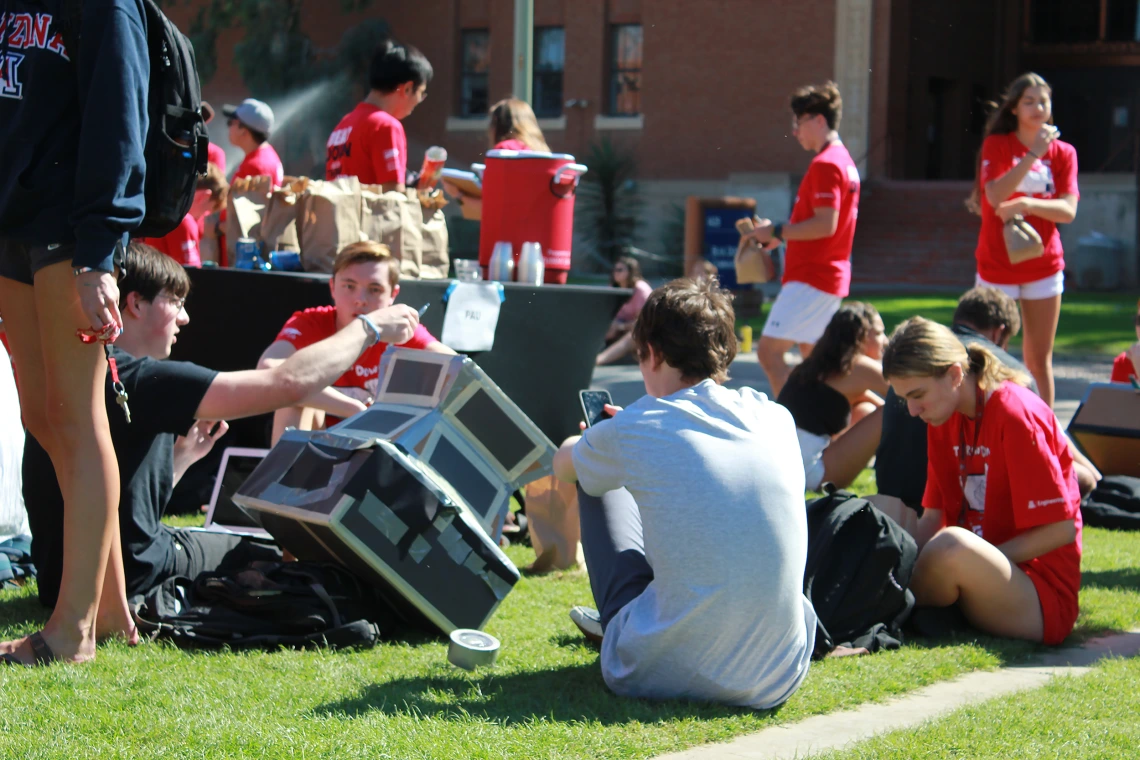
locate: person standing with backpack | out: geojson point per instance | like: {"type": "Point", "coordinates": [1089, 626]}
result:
{"type": "Point", "coordinates": [1001, 532]}
{"type": "Point", "coordinates": [73, 125]}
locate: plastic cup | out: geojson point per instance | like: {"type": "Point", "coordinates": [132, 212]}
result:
{"type": "Point", "coordinates": [468, 270]}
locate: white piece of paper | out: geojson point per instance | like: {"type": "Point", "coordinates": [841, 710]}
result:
{"type": "Point", "coordinates": [471, 318]}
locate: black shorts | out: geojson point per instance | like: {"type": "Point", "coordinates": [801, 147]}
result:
{"type": "Point", "coordinates": [21, 261]}
{"type": "Point", "coordinates": [198, 551]}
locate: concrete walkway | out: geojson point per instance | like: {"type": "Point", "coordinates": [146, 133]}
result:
{"type": "Point", "coordinates": [1073, 375]}
{"type": "Point", "coordinates": [843, 729]}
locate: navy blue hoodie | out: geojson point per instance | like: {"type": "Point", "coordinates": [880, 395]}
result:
{"type": "Point", "coordinates": [72, 132]}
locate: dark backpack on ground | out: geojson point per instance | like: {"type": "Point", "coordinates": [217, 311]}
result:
{"type": "Point", "coordinates": [858, 567]}
{"type": "Point", "coordinates": [267, 605]}
{"type": "Point", "coordinates": [1114, 503]}
{"type": "Point", "coordinates": [177, 143]}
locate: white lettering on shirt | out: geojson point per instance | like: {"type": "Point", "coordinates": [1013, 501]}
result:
{"type": "Point", "coordinates": [1045, 502]}
{"type": "Point", "coordinates": [339, 137]}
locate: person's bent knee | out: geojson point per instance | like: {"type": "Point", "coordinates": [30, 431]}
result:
{"type": "Point", "coordinates": [948, 548]}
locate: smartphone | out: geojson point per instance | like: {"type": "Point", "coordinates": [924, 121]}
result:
{"type": "Point", "coordinates": [593, 406]}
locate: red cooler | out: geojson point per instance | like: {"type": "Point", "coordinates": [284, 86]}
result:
{"type": "Point", "coordinates": [528, 196]}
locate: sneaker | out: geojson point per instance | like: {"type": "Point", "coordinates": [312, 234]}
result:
{"type": "Point", "coordinates": [589, 622]}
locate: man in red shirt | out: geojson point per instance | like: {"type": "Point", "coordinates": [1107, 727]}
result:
{"type": "Point", "coordinates": [250, 125]}
{"type": "Point", "coordinates": [365, 278]}
{"type": "Point", "coordinates": [817, 265]}
{"type": "Point", "coordinates": [369, 142]}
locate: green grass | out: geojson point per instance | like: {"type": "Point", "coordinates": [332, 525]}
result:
{"type": "Point", "coordinates": [1090, 323]}
{"type": "Point", "coordinates": [544, 699]}
{"type": "Point", "coordinates": [1092, 716]}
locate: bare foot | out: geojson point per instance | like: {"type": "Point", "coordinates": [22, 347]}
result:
{"type": "Point", "coordinates": [842, 651]}
{"type": "Point", "coordinates": [116, 627]}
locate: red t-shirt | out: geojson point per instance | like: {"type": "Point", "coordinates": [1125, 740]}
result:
{"type": "Point", "coordinates": [307, 327]}
{"type": "Point", "coordinates": [1122, 369]}
{"type": "Point", "coordinates": [1024, 479]}
{"type": "Point", "coordinates": [832, 180]}
{"type": "Point", "coordinates": [1052, 175]}
{"type": "Point", "coordinates": [370, 144]}
{"type": "Point", "coordinates": [215, 155]}
{"type": "Point", "coordinates": [181, 244]}
{"type": "Point", "coordinates": [263, 160]}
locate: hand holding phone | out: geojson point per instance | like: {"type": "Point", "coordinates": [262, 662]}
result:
{"type": "Point", "coordinates": [594, 405]}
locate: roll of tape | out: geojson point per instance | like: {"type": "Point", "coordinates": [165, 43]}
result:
{"type": "Point", "coordinates": [470, 649]}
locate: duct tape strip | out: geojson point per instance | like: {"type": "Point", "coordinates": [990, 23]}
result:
{"type": "Point", "coordinates": [443, 521]}
{"type": "Point", "coordinates": [419, 549]}
{"type": "Point", "coordinates": [474, 563]}
{"type": "Point", "coordinates": [276, 493]}
{"type": "Point", "coordinates": [382, 518]}
{"type": "Point", "coordinates": [451, 541]}
{"type": "Point", "coordinates": [499, 587]}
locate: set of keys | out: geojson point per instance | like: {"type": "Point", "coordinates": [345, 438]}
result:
{"type": "Point", "coordinates": [117, 385]}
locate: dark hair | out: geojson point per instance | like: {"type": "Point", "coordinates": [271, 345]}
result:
{"type": "Point", "coordinates": [835, 351]}
{"type": "Point", "coordinates": [692, 326]}
{"type": "Point", "coordinates": [634, 267]}
{"type": "Point", "coordinates": [987, 308]}
{"type": "Point", "coordinates": [819, 99]}
{"type": "Point", "coordinates": [394, 64]}
{"type": "Point", "coordinates": [148, 272]}
{"type": "Point", "coordinates": [1003, 121]}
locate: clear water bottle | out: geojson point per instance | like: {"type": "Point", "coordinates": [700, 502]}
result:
{"type": "Point", "coordinates": [532, 267]}
{"type": "Point", "coordinates": [502, 264]}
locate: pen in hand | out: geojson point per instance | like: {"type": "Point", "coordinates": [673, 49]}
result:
{"type": "Point", "coordinates": [424, 308]}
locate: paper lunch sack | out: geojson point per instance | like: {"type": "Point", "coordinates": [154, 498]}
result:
{"type": "Point", "coordinates": [328, 219]}
{"type": "Point", "coordinates": [279, 220]}
{"type": "Point", "coordinates": [248, 197]}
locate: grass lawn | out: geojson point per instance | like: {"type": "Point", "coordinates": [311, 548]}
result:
{"type": "Point", "coordinates": [1090, 322]}
{"type": "Point", "coordinates": [1091, 716]}
{"type": "Point", "coordinates": [544, 699]}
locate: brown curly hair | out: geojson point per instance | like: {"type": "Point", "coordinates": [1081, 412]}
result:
{"type": "Point", "coordinates": [691, 325]}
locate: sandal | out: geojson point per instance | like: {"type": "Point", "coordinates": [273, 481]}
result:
{"type": "Point", "coordinates": [41, 653]}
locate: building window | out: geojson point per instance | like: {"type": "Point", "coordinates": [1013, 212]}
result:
{"type": "Point", "coordinates": [1053, 22]}
{"type": "Point", "coordinates": [549, 62]}
{"type": "Point", "coordinates": [625, 70]}
{"type": "Point", "coordinates": [1122, 22]}
{"type": "Point", "coordinates": [476, 47]}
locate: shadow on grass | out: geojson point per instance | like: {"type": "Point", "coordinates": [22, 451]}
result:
{"type": "Point", "coordinates": [565, 694]}
{"type": "Point", "coordinates": [1121, 578]}
{"type": "Point", "coordinates": [22, 613]}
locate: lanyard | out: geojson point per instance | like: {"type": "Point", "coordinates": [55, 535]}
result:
{"type": "Point", "coordinates": [979, 407]}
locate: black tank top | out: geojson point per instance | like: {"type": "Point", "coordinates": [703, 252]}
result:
{"type": "Point", "coordinates": [816, 406]}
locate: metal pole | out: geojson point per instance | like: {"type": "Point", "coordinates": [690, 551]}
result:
{"type": "Point", "coordinates": [521, 84]}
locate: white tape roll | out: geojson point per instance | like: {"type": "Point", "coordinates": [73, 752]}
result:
{"type": "Point", "coordinates": [470, 649]}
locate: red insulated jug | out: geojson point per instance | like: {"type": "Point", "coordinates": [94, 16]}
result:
{"type": "Point", "coordinates": [528, 196]}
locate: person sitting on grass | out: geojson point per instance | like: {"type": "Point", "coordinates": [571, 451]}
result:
{"type": "Point", "coordinates": [619, 342]}
{"type": "Point", "coordinates": [693, 523]}
{"type": "Point", "coordinates": [1126, 366]}
{"type": "Point", "coordinates": [365, 278]}
{"type": "Point", "coordinates": [165, 398]}
{"type": "Point", "coordinates": [1001, 534]}
{"type": "Point", "coordinates": [834, 397]}
{"type": "Point", "coordinates": [986, 316]}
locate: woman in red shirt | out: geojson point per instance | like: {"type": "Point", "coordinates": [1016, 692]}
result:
{"type": "Point", "coordinates": [1024, 170]}
{"type": "Point", "coordinates": [513, 126]}
{"type": "Point", "coordinates": [1001, 532]}
{"type": "Point", "coordinates": [1127, 365]}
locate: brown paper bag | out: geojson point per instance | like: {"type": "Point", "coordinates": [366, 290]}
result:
{"type": "Point", "coordinates": [753, 264]}
{"type": "Point", "coordinates": [248, 198]}
{"type": "Point", "coordinates": [1022, 242]}
{"type": "Point", "coordinates": [552, 520]}
{"type": "Point", "coordinates": [434, 259]}
{"type": "Point", "coordinates": [394, 219]}
{"type": "Point", "coordinates": [279, 221]}
{"type": "Point", "coordinates": [328, 219]}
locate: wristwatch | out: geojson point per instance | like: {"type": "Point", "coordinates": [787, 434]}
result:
{"type": "Point", "coordinates": [371, 328]}
{"type": "Point", "coordinates": [778, 232]}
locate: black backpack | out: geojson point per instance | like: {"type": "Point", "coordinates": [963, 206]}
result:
{"type": "Point", "coordinates": [858, 567]}
{"type": "Point", "coordinates": [267, 605]}
{"type": "Point", "coordinates": [1114, 503]}
{"type": "Point", "coordinates": [177, 143]}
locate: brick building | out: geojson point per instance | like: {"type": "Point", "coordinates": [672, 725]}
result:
{"type": "Point", "coordinates": [697, 93]}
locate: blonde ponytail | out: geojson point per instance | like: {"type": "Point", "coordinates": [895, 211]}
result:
{"type": "Point", "coordinates": [989, 371]}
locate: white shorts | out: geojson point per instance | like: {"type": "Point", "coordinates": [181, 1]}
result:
{"type": "Point", "coordinates": [1038, 290]}
{"type": "Point", "coordinates": [811, 449]}
{"type": "Point", "coordinates": [800, 313]}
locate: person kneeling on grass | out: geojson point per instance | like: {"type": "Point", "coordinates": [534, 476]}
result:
{"type": "Point", "coordinates": [693, 523]}
{"type": "Point", "coordinates": [1001, 534]}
